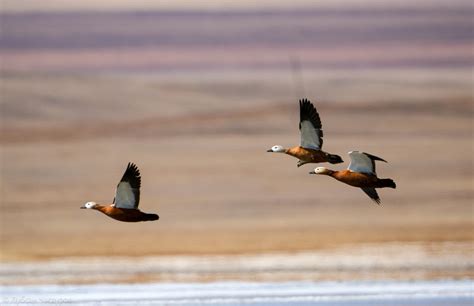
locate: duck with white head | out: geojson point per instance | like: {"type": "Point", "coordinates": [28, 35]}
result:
{"type": "Point", "coordinates": [310, 148]}
{"type": "Point", "coordinates": [127, 197]}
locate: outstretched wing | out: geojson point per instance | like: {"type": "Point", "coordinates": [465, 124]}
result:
{"type": "Point", "coordinates": [372, 193]}
{"type": "Point", "coordinates": [310, 126]}
{"type": "Point", "coordinates": [127, 194]}
{"type": "Point", "coordinates": [363, 162]}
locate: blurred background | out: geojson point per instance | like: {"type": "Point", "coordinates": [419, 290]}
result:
{"type": "Point", "coordinates": [195, 92]}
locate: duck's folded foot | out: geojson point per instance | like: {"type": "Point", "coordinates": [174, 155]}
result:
{"type": "Point", "coordinates": [301, 163]}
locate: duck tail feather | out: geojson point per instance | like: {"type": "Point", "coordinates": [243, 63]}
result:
{"type": "Point", "coordinates": [334, 159]}
{"type": "Point", "coordinates": [387, 183]}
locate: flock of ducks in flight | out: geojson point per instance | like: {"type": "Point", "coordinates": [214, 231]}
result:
{"type": "Point", "coordinates": [360, 173]}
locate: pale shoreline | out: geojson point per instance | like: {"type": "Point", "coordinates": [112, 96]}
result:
{"type": "Point", "coordinates": [370, 261]}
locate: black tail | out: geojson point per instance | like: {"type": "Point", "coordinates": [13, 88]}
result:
{"type": "Point", "coordinates": [151, 217]}
{"type": "Point", "coordinates": [334, 159]}
{"type": "Point", "coordinates": [387, 183]}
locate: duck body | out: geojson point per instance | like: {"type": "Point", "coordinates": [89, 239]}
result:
{"type": "Point", "coordinates": [361, 180]}
{"type": "Point", "coordinates": [307, 155]}
{"type": "Point", "coordinates": [125, 214]}
{"type": "Point", "coordinates": [360, 173]}
{"type": "Point", "coordinates": [127, 197]}
{"type": "Point", "coordinates": [311, 144]}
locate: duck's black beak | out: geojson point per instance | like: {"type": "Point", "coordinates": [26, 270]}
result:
{"type": "Point", "coordinates": [270, 150]}
{"type": "Point", "coordinates": [82, 207]}
{"type": "Point", "coordinates": [312, 172]}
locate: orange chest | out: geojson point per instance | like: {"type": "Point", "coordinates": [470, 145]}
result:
{"type": "Point", "coordinates": [308, 155]}
{"type": "Point", "coordinates": [355, 179]}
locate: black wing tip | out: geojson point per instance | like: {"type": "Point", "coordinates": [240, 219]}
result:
{"type": "Point", "coordinates": [132, 174]}
{"type": "Point", "coordinates": [375, 198]}
{"type": "Point", "coordinates": [373, 157]}
{"type": "Point", "coordinates": [305, 101]}
{"type": "Point", "coordinates": [309, 112]}
{"type": "Point", "coordinates": [372, 193]}
{"type": "Point", "coordinates": [132, 167]}
{"type": "Point", "coordinates": [306, 105]}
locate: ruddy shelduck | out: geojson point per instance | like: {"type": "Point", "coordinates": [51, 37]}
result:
{"type": "Point", "coordinates": [127, 197]}
{"type": "Point", "coordinates": [310, 148]}
{"type": "Point", "coordinates": [360, 173]}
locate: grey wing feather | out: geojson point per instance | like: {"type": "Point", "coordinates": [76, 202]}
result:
{"type": "Point", "coordinates": [310, 126]}
{"type": "Point", "coordinates": [363, 162]}
{"type": "Point", "coordinates": [127, 194]}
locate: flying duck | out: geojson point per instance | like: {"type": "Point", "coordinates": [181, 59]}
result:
{"type": "Point", "coordinates": [127, 196]}
{"type": "Point", "coordinates": [360, 173]}
{"type": "Point", "coordinates": [309, 150]}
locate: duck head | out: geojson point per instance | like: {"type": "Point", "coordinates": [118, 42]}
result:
{"type": "Point", "coordinates": [89, 205]}
{"type": "Point", "coordinates": [277, 149]}
{"type": "Point", "coordinates": [321, 170]}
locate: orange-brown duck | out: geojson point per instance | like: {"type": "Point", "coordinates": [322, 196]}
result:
{"type": "Point", "coordinates": [127, 196]}
{"type": "Point", "coordinates": [360, 173]}
{"type": "Point", "coordinates": [310, 148]}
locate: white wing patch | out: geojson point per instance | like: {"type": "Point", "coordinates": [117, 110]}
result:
{"type": "Point", "coordinates": [361, 163]}
{"type": "Point", "coordinates": [310, 136]}
{"type": "Point", "coordinates": [124, 196]}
